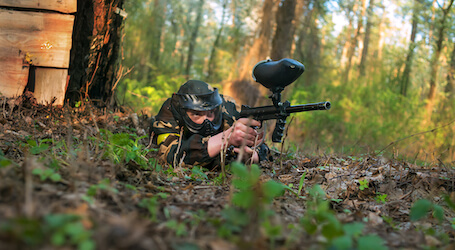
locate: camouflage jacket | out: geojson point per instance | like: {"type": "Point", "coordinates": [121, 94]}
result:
{"type": "Point", "coordinates": [192, 148]}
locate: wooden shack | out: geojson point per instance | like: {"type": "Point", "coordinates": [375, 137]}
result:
{"type": "Point", "coordinates": [35, 44]}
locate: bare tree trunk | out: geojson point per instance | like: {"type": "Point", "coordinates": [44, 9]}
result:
{"type": "Point", "coordinates": [94, 60]}
{"type": "Point", "coordinates": [410, 56]}
{"type": "Point", "coordinates": [366, 39]}
{"type": "Point", "coordinates": [350, 10]}
{"type": "Point", "coordinates": [261, 46]}
{"type": "Point", "coordinates": [435, 62]}
{"type": "Point", "coordinates": [212, 61]}
{"type": "Point", "coordinates": [156, 28]}
{"type": "Point", "coordinates": [285, 28]}
{"type": "Point", "coordinates": [194, 33]}
{"type": "Point", "coordinates": [355, 41]}
{"type": "Point", "coordinates": [450, 87]}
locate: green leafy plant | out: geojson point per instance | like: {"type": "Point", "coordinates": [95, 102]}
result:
{"type": "Point", "coordinates": [124, 147]}
{"type": "Point", "coordinates": [59, 230]}
{"type": "Point", "coordinates": [68, 229]}
{"type": "Point", "coordinates": [197, 173]}
{"type": "Point", "coordinates": [152, 205]}
{"type": "Point", "coordinates": [421, 208]}
{"type": "Point", "coordinates": [381, 198]}
{"type": "Point", "coordinates": [37, 148]}
{"type": "Point", "coordinates": [319, 219]}
{"type": "Point", "coordinates": [363, 184]}
{"type": "Point", "coordinates": [302, 179]}
{"type": "Point", "coordinates": [48, 173]}
{"type": "Point", "coordinates": [250, 203]}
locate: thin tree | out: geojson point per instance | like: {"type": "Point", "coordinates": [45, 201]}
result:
{"type": "Point", "coordinates": [410, 55]}
{"type": "Point", "coordinates": [213, 53]}
{"type": "Point", "coordinates": [450, 87]}
{"type": "Point", "coordinates": [436, 56]}
{"type": "Point", "coordinates": [194, 34]}
{"type": "Point", "coordinates": [366, 39]}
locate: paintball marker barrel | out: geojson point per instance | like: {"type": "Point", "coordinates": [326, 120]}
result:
{"type": "Point", "coordinates": [272, 112]}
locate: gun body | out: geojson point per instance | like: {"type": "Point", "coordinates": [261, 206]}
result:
{"type": "Point", "coordinates": [280, 114]}
{"type": "Point", "coordinates": [271, 112]}
{"type": "Point", "coordinates": [276, 75]}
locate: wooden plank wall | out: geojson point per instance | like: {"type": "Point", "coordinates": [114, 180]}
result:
{"type": "Point", "coordinates": [36, 38]}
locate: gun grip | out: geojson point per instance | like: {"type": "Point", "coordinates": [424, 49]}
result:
{"type": "Point", "coordinates": [279, 129]}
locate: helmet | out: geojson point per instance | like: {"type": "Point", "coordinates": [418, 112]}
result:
{"type": "Point", "coordinates": [200, 96]}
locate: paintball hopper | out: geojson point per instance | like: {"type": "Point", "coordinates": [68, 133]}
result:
{"type": "Point", "coordinates": [276, 75]}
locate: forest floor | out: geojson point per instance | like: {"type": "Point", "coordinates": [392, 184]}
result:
{"type": "Point", "coordinates": [85, 178]}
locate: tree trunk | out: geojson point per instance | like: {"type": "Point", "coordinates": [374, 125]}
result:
{"type": "Point", "coordinates": [410, 56]}
{"type": "Point", "coordinates": [450, 87]}
{"type": "Point", "coordinates": [350, 12]}
{"type": "Point", "coordinates": [366, 39]}
{"type": "Point", "coordinates": [435, 62]}
{"type": "Point", "coordinates": [355, 41]}
{"type": "Point", "coordinates": [285, 28]}
{"type": "Point", "coordinates": [94, 63]}
{"type": "Point", "coordinates": [261, 46]}
{"type": "Point", "coordinates": [194, 33]}
{"type": "Point", "coordinates": [211, 72]}
{"type": "Point", "coordinates": [156, 30]}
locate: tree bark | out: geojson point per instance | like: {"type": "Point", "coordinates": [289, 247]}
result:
{"type": "Point", "coordinates": [355, 40]}
{"type": "Point", "coordinates": [94, 58]}
{"type": "Point", "coordinates": [450, 87]}
{"type": "Point", "coordinates": [194, 34]}
{"type": "Point", "coordinates": [261, 45]}
{"type": "Point", "coordinates": [366, 39]}
{"type": "Point", "coordinates": [435, 62]}
{"type": "Point", "coordinates": [410, 56]}
{"type": "Point", "coordinates": [212, 66]}
{"type": "Point", "coordinates": [285, 28]}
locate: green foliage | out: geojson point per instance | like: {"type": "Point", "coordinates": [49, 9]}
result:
{"type": "Point", "coordinates": [363, 184]}
{"type": "Point", "coordinates": [250, 201]}
{"type": "Point", "coordinates": [319, 219]}
{"type": "Point", "coordinates": [58, 230]}
{"type": "Point", "coordinates": [381, 198]}
{"type": "Point", "coordinates": [124, 147]}
{"type": "Point", "coordinates": [421, 208]}
{"type": "Point", "coordinates": [152, 205]}
{"type": "Point", "coordinates": [47, 174]}
{"type": "Point", "coordinates": [4, 162]}
{"type": "Point", "coordinates": [37, 148]}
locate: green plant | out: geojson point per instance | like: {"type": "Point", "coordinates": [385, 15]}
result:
{"type": "Point", "coordinates": [381, 198]}
{"type": "Point", "coordinates": [319, 219]}
{"type": "Point", "coordinates": [68, 229]}
{"type": "Point", "coordinates": [302, 179]}
{"type": "Point", "coordinates": [197, 173]}
{"type": "Point", "coordinates": [152, 205]}
{"type": "Point", "coordinates": [421, 208]}
{"type": "Point", "coordinates": [37, 148]}
{"type": "Point", "coordinates": [92, 191]}
{"type": "Point", "coordinates": [124, 147]}
{"type": "Point", "coordinates": [57, 229]}
{"type": "Point", "coordinates": [250, 201]}
{"type": "Point", "coordinates": [48, 173]}
{"type": "Point", "coordinates": [363, 184]}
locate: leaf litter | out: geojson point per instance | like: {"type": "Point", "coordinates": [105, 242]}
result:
{"type": "Point", "coordinates": [61, 186]}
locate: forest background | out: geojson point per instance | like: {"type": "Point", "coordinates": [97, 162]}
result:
{"type": "Point", "coordinates": [387, 67]}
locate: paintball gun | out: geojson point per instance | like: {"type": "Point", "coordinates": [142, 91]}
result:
{"type": "Point", "coordinates": [276, 75]}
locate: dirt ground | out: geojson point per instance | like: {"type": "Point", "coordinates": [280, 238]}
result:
{"type": "Point", "coordinates": [60, 188]}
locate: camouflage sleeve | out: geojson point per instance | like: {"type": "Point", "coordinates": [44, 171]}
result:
{"type": "Point", "coordinates": [193, 150]}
